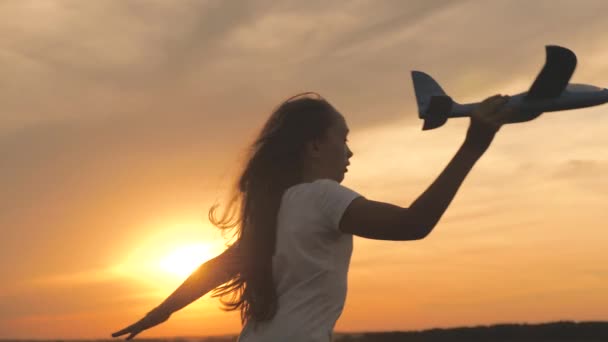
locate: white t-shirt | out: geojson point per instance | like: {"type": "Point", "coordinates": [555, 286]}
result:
{"type": "Point", "coordinates": [310, 264]}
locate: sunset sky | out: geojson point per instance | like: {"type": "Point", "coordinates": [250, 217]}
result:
{"type": "Point", "coordinates": [122, 122]}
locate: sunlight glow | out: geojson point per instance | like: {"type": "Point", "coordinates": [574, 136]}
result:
{"type": "Point", "coordinates": [184, 260]}
{"type": "Point", "coordinates": [171, 250]}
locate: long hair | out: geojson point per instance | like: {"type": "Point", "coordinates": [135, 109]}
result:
{"type": "Point", "coordinates": [273, 164]}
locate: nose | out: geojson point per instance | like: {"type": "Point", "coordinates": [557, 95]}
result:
{"type": "Point", "coordinates": [349, 153]}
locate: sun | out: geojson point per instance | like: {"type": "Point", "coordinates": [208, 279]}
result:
{"type": "Point", "coordinates": [165, 256]}
{"type": "Point", "coordinates": [183, 260]}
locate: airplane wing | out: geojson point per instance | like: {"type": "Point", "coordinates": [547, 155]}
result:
{"type": "Point", "coordinates": [555, 75]}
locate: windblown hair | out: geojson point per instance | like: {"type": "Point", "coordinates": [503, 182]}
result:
{"type": "Point", "coordinates": [274, 163]}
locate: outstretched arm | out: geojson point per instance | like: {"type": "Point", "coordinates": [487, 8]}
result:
{"type": "Point", "coordinates": [208, 276]}
{"type": "Point", "coordinates": [385, 221]}
{"type": "Point", "coordinates": [485, 122]}
{"type": "Point", "coordinates": [432, 204]}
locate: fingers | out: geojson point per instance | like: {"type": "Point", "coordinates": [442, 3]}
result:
{"type": "Point", "coordinates": [505, 115]}
{"type": "Point", "coordinates": [133, 334]}
{"type": "Point", "coordinates": [151, 319]}
{"type": "Point", "coordinates": [498, 101]}
{"type": "Point", "coordinates": [122, 332]}
{"type": "Point", "coordinates": [495, 99]}
{"type": "Point", "coordinates": [133, 329]}
{"type": "Point", "coordinates": [492, 104]}
{"type": "Point", "coordinates": [488, 102]}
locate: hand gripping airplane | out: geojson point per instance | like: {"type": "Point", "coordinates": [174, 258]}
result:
{"type": "Point", "coordinates": [550, 92]}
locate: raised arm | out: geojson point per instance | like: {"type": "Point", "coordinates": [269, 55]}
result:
{"type": "Point", "coordinates": [385, 221]}
{"type": "Point", "coordinates": [208, 276]}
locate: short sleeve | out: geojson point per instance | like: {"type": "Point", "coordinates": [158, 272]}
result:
{"type": "Point", "coordinates": [334, 199]}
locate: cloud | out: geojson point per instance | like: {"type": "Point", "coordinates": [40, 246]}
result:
{"type": "Point", "coordinates": [128, 40]}
{"type": "Point", "coordinates": [583, 168]}
{"type": "Point", "coordinates": [589, 176]}
{"type": "Point", "coordinates": [139, 58]}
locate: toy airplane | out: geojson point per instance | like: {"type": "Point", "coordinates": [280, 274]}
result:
{"type": "Point", "coordinates": [549, 92]}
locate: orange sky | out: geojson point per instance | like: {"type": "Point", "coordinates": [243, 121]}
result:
{"type": "Point", "coordinates": [123, 121]}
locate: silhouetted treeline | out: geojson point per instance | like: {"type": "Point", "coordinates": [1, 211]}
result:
{"type": "Point", "coordinates": [557, 331]}
{"type": "Point", "coordinates": [545, 332]}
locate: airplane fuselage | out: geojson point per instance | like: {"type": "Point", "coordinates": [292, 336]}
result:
{"type": "Point", "coordinates": [573, 97]}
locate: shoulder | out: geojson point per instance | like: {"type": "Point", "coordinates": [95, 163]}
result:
{"type": "Point", "coordinates": [332, 199]}
{"type": "Point", "coordinates": [327, 183]}
{"type": "Point", "coordinates": [325, 193]}
{"type": "Point", "coordinates": [316, 186]}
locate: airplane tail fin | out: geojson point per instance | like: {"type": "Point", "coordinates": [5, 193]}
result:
{"type": "Point", "coordinates": [434, 104]}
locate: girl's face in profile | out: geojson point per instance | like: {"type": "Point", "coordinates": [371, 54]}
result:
{"type": "Point", "coordinates": [334, 152]}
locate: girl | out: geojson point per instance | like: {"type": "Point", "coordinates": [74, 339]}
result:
{"type": "Point", "coordinates": [287, 269]}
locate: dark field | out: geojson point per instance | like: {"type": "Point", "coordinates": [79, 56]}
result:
{"type": "Point", "coordinates": [545, 332]}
